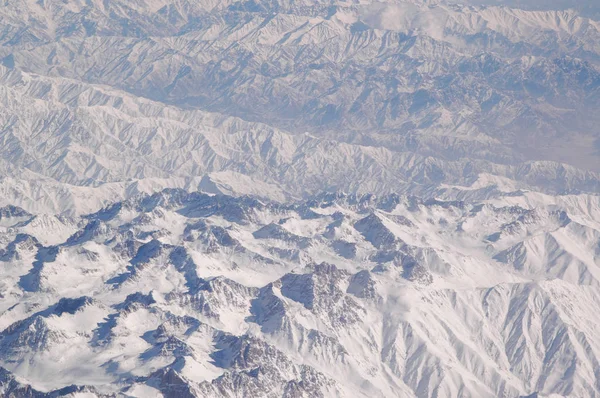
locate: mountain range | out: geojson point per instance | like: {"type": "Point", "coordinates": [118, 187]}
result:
{"type": "Point", "coordinates": [299, 198]}
{"type": "Point", "coordinates": [179, 294]}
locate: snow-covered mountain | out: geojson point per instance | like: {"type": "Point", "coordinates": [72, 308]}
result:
{"type": "Point", "coordinates": [208, 295]}
{"type": "Point", "coordinates": [288, 99]}
{"type": "Point", "coordinates": [73, 147]}
{"type": "Point", "coordinates": [299, 198]}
